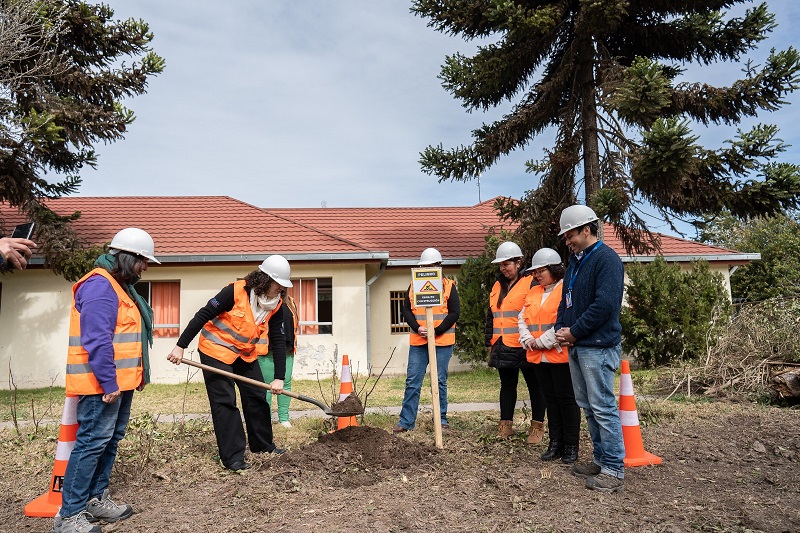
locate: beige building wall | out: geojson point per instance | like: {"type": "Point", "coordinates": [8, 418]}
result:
{"type": "Point", "coordinates": [34, 322]}
{"type": "Point", "coordinates": [315, 353]}
{"type": "Point", "coordinates": [383, 341]}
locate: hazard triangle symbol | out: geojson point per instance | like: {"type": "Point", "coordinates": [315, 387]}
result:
{"type": "Point", "coordinates": [428, 287]}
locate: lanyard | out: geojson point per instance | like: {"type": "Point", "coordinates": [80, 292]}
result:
{"type": "Point", "coordinates": [580, 264]}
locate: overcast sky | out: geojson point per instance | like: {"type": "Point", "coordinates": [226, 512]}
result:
{"type": "Point", "coordinates": [308, 103]}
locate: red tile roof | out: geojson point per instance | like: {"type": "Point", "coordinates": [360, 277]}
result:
{"type": "Point", "coordinates": [197, 225]}
{"type": "Point", "coordinates": [205, 228]}
{"type": "Point", "coordinates": [457, 232]}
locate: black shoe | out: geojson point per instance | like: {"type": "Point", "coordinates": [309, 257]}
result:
{"type": "Point", "coordinates": [278, 451]}
{"type": "Point", "coordinates": [570, 454]}
{"type": "Point", "coordinates": [554, 451]}
{"type": "Point", "coordinates": [586, 471]}
{"type": "Point", "coordinates": [239, 465]}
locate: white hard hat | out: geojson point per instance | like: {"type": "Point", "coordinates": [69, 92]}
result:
{"type": "Point", "coordinates": [136, 241]}
{"type": "Point", "coordinates": [544, 257]}
{"type": "Point", "coordinates": [429, 256]}
{"type": "Point", "coordinates": [576, 216]}
{"type": "Point", "coordinates": [277, 267]}
{"type": "Point", "coordinates": [507, 250]}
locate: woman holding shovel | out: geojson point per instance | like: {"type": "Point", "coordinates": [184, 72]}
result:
{"type": "Point", "coordinates": [239, 324]}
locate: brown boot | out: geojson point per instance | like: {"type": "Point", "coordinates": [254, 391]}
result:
{"type": "Point", "coordinates": [505, 429]}
{"type": "Point", "coordinates": [536, 433]}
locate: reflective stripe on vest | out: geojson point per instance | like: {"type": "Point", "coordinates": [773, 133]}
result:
{"type": "Point", "coordinates": [234, 333]}
{"type": "Point", "coordinates": [540, 318]}
{"type": "Point", "coordinates": [126, 342]}
{"type": "Point", "coordinates": [448, 338]}
{"type": "Point", "coordinates": [505, 318]}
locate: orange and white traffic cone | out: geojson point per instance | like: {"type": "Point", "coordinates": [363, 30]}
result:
{"type": "Point", "coordinates": [631, 433]}
{"type": "Point", "coordinates": [345, 390]}
{"type": "Point", "coordinates": [48, 504]}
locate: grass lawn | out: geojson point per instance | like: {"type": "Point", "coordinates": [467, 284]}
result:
{"type": "Point", "coordinates": [478, 385]}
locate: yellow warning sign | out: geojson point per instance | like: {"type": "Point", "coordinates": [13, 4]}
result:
{"type": "Point", "coordinates": [428, 287]}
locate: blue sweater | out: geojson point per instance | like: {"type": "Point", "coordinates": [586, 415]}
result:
{"type": "Point", "coordinates": [593, 318]}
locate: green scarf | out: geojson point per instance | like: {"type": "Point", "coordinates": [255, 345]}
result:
{"type": "Point", "coordinates": [108, 262]}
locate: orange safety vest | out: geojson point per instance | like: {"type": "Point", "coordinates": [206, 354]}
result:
{"type": "Point", "coordinates": [448, 338]}
{"type": "Point", "coordinates": [127, 342]}
{"type": "Point", "coordinates": [541, 317]}
{"type": "Point", "coordinates": [504, 318]}
{"type": "Point", "coordinates": [234, 333]}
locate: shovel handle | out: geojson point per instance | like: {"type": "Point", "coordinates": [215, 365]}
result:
{"type": "Point", "coordinates": [259, 384]}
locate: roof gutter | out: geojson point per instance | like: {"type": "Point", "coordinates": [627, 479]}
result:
{"type": "Point", "coordinates": [238, 258]}
{"type": "Point", "coordinates": [415, 262]}
{"type": "Point", "coordinates": [690, 258]}
{"type": "Point", "coordinates": [372, 280]}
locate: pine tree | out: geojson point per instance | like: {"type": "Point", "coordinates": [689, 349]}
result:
{"type": "Point", "coordinates": [604, 74]}
{"type": "Point", "coordinates": [62, 80]}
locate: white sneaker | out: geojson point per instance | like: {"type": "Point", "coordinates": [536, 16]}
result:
{"type": "Point", "coordinates": [286, 424]}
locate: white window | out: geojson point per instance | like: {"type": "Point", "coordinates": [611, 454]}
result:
{"type": "Point", "coordinates": [314, 299]}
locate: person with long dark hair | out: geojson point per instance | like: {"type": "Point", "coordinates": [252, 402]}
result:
{"type": "Point", "coordinates": [110, 333]}
{"type": "Point", "coordinates": [506, 354]}
{"type": "Point", "coordinates": [242, 322]}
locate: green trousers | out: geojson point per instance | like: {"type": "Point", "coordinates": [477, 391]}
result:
{"type": "Point", "coordinates": [267, 364]}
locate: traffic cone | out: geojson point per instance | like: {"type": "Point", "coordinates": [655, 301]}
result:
{"type": "Point", "coordinates": [345, 389]}
{"type": "Point", "coordinates": [48, 504]}
{"type": "Point", "coordinates": [631, 434]}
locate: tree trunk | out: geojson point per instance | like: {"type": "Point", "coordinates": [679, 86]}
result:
{"type": "Point", "coordinates": [591, 152]}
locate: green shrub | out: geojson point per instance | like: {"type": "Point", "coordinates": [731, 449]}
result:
{"type": "Point", "coordinates": [672, 315]}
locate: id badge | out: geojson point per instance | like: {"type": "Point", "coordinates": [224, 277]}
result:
{"type": "Point", "coordinates": [569, 299]}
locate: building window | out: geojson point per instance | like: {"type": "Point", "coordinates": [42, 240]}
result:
{"type": "Point", "coordinates": [314, 299]}
{"type": "Point", "coordinates": [396, 299]}
{"type": "Point", "coordinates": [165, 299]}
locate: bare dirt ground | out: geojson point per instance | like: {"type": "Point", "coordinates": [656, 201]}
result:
{"type": "Point", "coordinates": [727, 467]}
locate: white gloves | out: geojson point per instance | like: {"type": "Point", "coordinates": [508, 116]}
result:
{"type": "Point", "coordinates": [527, 341]}
{"type": "Point", "coordinates": [546, 341]}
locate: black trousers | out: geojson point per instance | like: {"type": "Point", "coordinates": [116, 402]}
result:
{"type": "Point", "coordinates": [509, 377]}
{"type": "Point", "coordinates": [225, 415]}
{"type": "Point", "coordinates": [563, 414]}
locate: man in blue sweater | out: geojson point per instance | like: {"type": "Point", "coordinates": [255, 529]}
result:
{"type": "Point", "coordinates": [588, 322]}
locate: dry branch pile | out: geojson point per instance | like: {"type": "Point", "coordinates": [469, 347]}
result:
{"type": "Point", "coordinates": [758, 339]}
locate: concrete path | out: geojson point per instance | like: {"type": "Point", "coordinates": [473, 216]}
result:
{"type": "Point", "coordinates": [392, 410]}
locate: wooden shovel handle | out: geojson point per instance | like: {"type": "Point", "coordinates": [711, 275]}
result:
{"type": "Point", "coordinates": [253, 382]}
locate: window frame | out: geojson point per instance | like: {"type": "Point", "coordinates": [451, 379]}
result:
{"type": "Point", "coordinates": [397, 324]}
{"type": "Point", "coordinates": [149, 299]}
{"type": "Point", "coordinates": [323, 327]}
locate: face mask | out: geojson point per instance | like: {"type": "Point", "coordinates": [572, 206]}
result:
{"type": "Point", "coordinates": [268, 304]}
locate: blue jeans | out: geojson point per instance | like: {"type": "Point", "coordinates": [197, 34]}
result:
{"type": "Point", "coordinates": [593, 371]}
{"type": "Point", "coordinates": [417, 365]}
{"type": "Point", "coordinates": [100, 428]}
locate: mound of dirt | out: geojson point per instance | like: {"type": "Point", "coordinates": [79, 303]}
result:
{"type": "Point", "coordinates": [359, 446]}
{"type": "Point", "coordinates": [349, 406]}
